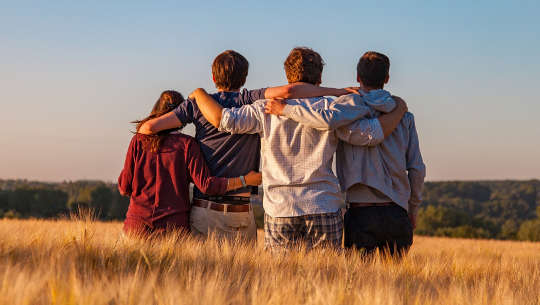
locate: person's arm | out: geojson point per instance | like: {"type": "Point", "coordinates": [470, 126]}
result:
{"type": "Point", "coordinates": [363, 132]}
{"type": "Point", "coordinates": [416, 170]}
{"type": "Point", "coordinates": [252, 178]}
{"type": "Point", "coordinates": [340, 112]}
{"type": "Point", "coordinates": [202, 178]}
{"type": "Point", "coordinates": [390, 121]}
{"type": "Point", "coordinates": [126, 176]}
{"type": "Point", "coordinates": [304, 90]}
{"type": "Point", "coordinates": [164, 122]}
{"type": "Point", "coordinates": [234, 120]}
{"type": "Point", "coordinates": [371, 132]}
{"type": "Point", "coordinates": [210, 109]}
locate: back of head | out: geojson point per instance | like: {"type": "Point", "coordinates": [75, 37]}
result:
{"type": "Point", "coordinates": [168, 100]}
{"type": "Point", "coordinates": [372, 69]}
{"type": "Point", "coordinates": [230, 70]}
{"type": "Point", "coordinates": [304, 65]}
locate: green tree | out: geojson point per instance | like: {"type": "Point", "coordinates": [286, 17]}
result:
{"type": "Point", "coordinates": [101, 200]}
{"type": "Point", "coordinates": [529, 230]}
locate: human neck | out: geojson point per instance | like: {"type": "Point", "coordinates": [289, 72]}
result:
{"type": "Point", "coordinates": [224, 90]}
{"type": "Point", "coordinates": [371, 88]}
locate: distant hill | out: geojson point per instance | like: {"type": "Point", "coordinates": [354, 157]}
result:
{"type": "Point", "coordinates": [473, 209]}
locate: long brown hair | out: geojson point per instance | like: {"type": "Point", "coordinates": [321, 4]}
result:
{"type": "Point", "coordinates": [168, 100]}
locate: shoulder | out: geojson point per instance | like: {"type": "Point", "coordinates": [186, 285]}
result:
{"type": "Point", "coordinates": [408, 119]}
{"type": "Point", "coordinates": [353, 99]}
{"type": "Point", "coordinates": [409, 116]}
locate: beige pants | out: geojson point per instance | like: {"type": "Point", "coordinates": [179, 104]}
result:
{"type": "Point", "coordinates": [229, 225]}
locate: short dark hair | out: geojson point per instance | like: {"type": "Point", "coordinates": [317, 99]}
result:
{"type": "Point", "coordinates": [372, 69]}
{"type": "Point", "coordinates": [304, 65]}
{"type": "Point", "coordinates": [230, 70]}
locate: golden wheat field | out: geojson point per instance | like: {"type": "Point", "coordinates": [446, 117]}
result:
{"type": "Point", "coordinates": [86, 262]}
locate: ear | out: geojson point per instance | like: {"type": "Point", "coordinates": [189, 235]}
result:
{"type": "Point", "coordinates": [387, 79]}
{"type": "Point", "coordinates": [213, 78]}
{"type": "Point", "coordinates": [359, 81]}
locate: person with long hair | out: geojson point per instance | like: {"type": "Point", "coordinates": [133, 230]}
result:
{"type": "Point", "coordinates": [157, 172]}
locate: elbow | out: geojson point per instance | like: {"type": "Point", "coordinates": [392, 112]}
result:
{"type": "Point", "coordinates": [216, 121]}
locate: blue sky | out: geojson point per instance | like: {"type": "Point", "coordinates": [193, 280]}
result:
{"type": "Point", "coordinates": [73, 75]}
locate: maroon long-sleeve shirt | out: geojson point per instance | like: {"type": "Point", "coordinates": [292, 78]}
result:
{"type": "Point", "coordinates": [158, 183]}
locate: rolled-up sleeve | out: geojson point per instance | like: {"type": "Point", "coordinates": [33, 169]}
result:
{"type": "Point", "coordinates": [365, 132]}
{"type": "Point", "coordinates": [246, 119]}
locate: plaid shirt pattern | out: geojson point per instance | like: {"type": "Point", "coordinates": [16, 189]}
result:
{"type": "Point", "coordinates": [310, 231]}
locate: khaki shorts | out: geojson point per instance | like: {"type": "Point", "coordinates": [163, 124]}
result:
{"type": "Point", "coordinates": [229, 225]}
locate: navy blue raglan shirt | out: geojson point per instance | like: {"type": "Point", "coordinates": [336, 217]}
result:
{"type": "Point", "coordinates": [228, 155]}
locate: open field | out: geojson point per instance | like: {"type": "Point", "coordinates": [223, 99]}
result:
{"type": "Point", "coordinates": [85, 262]}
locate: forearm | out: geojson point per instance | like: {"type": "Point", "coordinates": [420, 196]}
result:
{"type": "Point", "coordinates": [303, 90]}
{"type": "Point", "coordinates": [233, 184]}
{"type": "Point", "coordinates": [339, 113]}
{"type": "Point", "coordinates": [210, 109]}
{"type": "Point", "coordinates": [164, 122]}
{"type": "Point", "coordinates": [390, 121]}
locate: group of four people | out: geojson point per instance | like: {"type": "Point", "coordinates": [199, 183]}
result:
{"type": "Point", "coordinates": [291, 134]}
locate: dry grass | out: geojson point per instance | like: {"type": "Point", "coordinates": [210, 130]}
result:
{"type": "Point", "coordinates": [84, 262]}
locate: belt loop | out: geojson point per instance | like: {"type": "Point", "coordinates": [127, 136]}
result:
{"type": "Point", "coordinates": [208, 204]}
{"type": "Point", "coordinates": [225, 208]}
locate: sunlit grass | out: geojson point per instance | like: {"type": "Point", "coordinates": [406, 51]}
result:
{"type": "Point", "coordinates": [86, 262]}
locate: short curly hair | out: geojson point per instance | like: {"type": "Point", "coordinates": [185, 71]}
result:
{"type": "Point", "coordinates": [304, 65]}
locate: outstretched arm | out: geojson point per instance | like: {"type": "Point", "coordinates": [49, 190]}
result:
{"type": "Point", "coordinates": [164, 122]}
{"type": "Point", "coordinates": [208, 184]}
{"type": "Point", "coordinates": [234, 120]}
{"type": "Point", "coordinates": [340, 112]}
{"type": "Point", "coordinates": [303, 90]}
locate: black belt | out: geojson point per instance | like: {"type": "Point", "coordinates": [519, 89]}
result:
{"type": "Point", "coordinates": [227, 199]}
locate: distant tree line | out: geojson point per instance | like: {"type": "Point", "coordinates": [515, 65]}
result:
{"type": "Point", "coordinates": [475, 209]}
{"type": "Point", "coordinates": [27, 199]}
{"type": "Point", "coordinates": [481, 209]}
